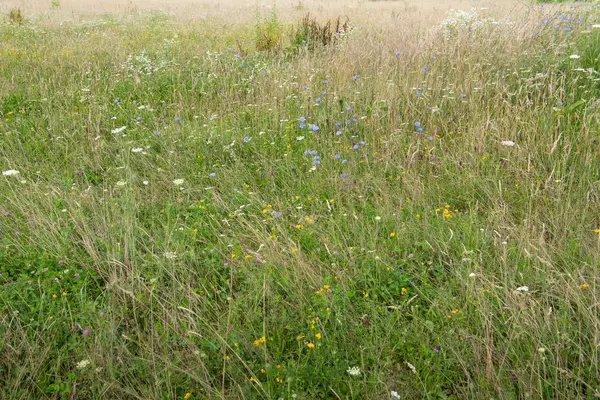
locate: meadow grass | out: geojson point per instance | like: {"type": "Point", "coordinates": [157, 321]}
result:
{"type": "Point", "coordinates": [402, 214]}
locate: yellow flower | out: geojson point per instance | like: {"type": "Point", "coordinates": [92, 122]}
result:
{"type": "Point", "coordinates": [258, 342]}
{"type": "Point", "coordinates": [326, 287]}
{"type": "Point", "coordinates": [310, 346]}
{"type": "Point", "coordinates": [331, 201]}
{"type": "Point", "coordinates": [597, 230]}
{"type": "Point", "coordinates": [318, 336]}
{"type": "Point", "coordinates": [365, 294]}
{"type": "Point", "coordinates": [54, 296]}
{"type": "Point", "coordinates": [309, 220]}
{"type": "Point", "coordinates": [447, 213]}
{"type": "Point", "coordinates": [454, 311]}
{"type": "Point", "coordinates": [392, 234]}
{"type": "Point", "coordinates": [299, 226]}
{"type": "Point", "coordinates": [585, 286]}
{"type": "Point", "coordinates": [264, 211]}
{"type": "Point", "coordinates": [294, 250]}
{"type": "Point", "coordinates": [262, 371]}
{"type": "Point", "coordinates": [403, 291]}
{"type": "Point", "coordinates": [187, 395]}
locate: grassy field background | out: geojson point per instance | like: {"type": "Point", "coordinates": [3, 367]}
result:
{"type": "Point", "coordinates": [215, 202]}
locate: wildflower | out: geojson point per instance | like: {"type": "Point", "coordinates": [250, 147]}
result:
{"type": "Point", "coordinates": [145, 182]}
{"type": "Point", "coordinates": [338, 133]}
{"type": "Point", "coordinates": [137, 150]}
{"type": "Point", "coordinates": [121, 183]}
{"type": "Point", "coordinates": [76, 276]}
{"type": "Point", "coordinates": [318, 99]}
{"type": "Point", "coordinates": [353, 371]}
{"type": "Point", "coordinates": [417, 124]}
{"type": "Point", "coordinates": [344, 175]}
{"type": "Point", "coordinates": [508, 143]}
{"type": "Point", "coordinates": [246, 139]}
{"type": "Point", "coordinates": [299, 138]}
{"type": "Point", "coordinates": [397, 52]}
{"type": "Point", "coordinates": [318, 336]}
{"type": "Point", "coordinates": [411, 367]}
{"type": "Point", "coordinates": [187, 395]}
{"type": "Point", "coordinates": [392, 234]}
{"type": "Point", "coordinates": [118, 130]}
{"type": "Point", "coordinates": [313, 127]}
{"type": "Point", "coordinates": [83, 363]}
{"type": "Point", "coordinates": [574, 56]}
{"type": "Point", "coordinates": [472, 275]}
{"type": "Point", "coordinates": [403, 291]}
{"type": "Point", "coordinates": [523, 289]}
{"type": "Point", "coordinates": [260, 340]}
{"type": "Point", "coordinates": [212, 174]}
{"type": "Point", "coordinates": [395, 394]}
{"type": "Point", "coordinates": [425, 68]}
{"type": "Point", "coordinates": [325, 82]}
{"type": "Point", "coordinates": [86, 332]}
{"type": "Point", "coordinates": [156, 132]}
{"type": "Point", "coordinates": [585, 286]}
{"type": "Point", "coordinates": [310, 345]}
{"type": "Point", "coordinates": [355, 77]}
{"type": "Point", "coordinates": [10, 172]}
{"type": "Point", "coordinates": [436, 349]}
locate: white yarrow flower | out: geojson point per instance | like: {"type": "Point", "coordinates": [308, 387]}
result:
{"type": "Point", "coordinates": [395, 394]}
{"type": "Point", "coordinates": [353, 371]}
{"type": "Point", "coordinates": [508, 143]}
{"type": "Point", "coordinates": [118, 130]}
{"type": "Point", "coordinates": [10, 172]}
{"type": "Point", "coordinates": [83, 363]}
{"type": "Point", "coordinates": [145, 182]}
{"type": "Point", "coordinates": [121, 183]}
{"type": "Point", "coordinates": [179, 181]}
{"type": "Point", "coordinates": [137, 150]}
{"type": "Point", "coordinates": [523, 289]}
{"type": "Point", "coordinates": [170, 255]}
{"type": "Point", "coordinates": [412, 367]}
{"type": "Point", "coordinates": [472, 275]}
{"type": "Point", "coordinates": [574, 56]}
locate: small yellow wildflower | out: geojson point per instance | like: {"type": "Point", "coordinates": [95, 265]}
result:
{"type": "Point", "coordinates": [309, 220]}
{"type": "Point", "coordinates": [294, 250]}
{"type": "Point", "coordinates": [262, 371]}
{"type": "Point", "coordinates": [54, 296]}
{"type": "Point", "coordinates": [187, 395]}
{"type": "Point", "coordinates": [310, 346]}
{"type": "Point", "coordinates": [258, 342]}
{"type": "Point", "coordinates": [365, 294]}
{"type": "Point", "coordinates": [326, 287]}
{"type": "Point", "coordinates": [318, 336]}
{"type": "Point", "coordinates": [454, 311]}
{"type": "Point", "coordinates": [597, 230]}
{"type": "Point", "coordinates": [331, 201]}
{"type": "Point", "coordinates": [585, 286]}
{"type": "Point", "coordinates": [299, 226]}
{"type": "Point", "coordinates": [392, 234]}
{"type": "Point", "coordinates": [265, 211]}
{"type": "Point", "coordinates": [403, 290]}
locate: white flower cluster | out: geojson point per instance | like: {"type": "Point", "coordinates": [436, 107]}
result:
{"type": "Point", "coordinates": [142, 64]}
{"type": "Point", "coordinates": [465, 21]}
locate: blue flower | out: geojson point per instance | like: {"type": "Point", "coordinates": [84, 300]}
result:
{"type": "Point", "coordinates": [246, 139]}
{"type": "Point", "coordinates": [419, 129]}
{"type": "Point", "coordinates": [313, 127]}
{"type": "Point", "coordinates": [343, 175]}
{"type": "Point", "coordinates": [425, 68]}
{"type": "Point", "coordinates": [325, 82]}
{"type": "Point", "coordinates": [344, 161]}
{"type": "Point", "coordinates": [417, 124]}
{"type": "Point", "coordinates": [156, 132]}
{"type": "Point", "coordinates": [348, 108]}
{"type": "Point", "coordinates": [338, 133]}
{"type": "Point", "coordinates": [397, 52]}
{"type": "Point", "coordinates": [117, 100]}
{"type": "Point", "coordinates": [302, 125]}
{"type": "Point", "coordinates": [138, 119]}
{"type": "Point", "coordinates": [305, 87]}
{"type": "Point", "coordinates": [177, 119]}
{"type": "Point", "coordinates": [355, 77]}
{"type": "Point", "coordinates": [301, 119]}
{"type": "Point", "coordinates": [355, 147]}
{"type": "Point", "coordinates": [430, 138]}
{"type": "Point", "coordinates": [362, 142]}
{"type": "Point", "coordinates": [212, 174]}
{"type": "Point", "coordinates": [318, 99]}
{"type": "Point", "coordinates": [337, 156]}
